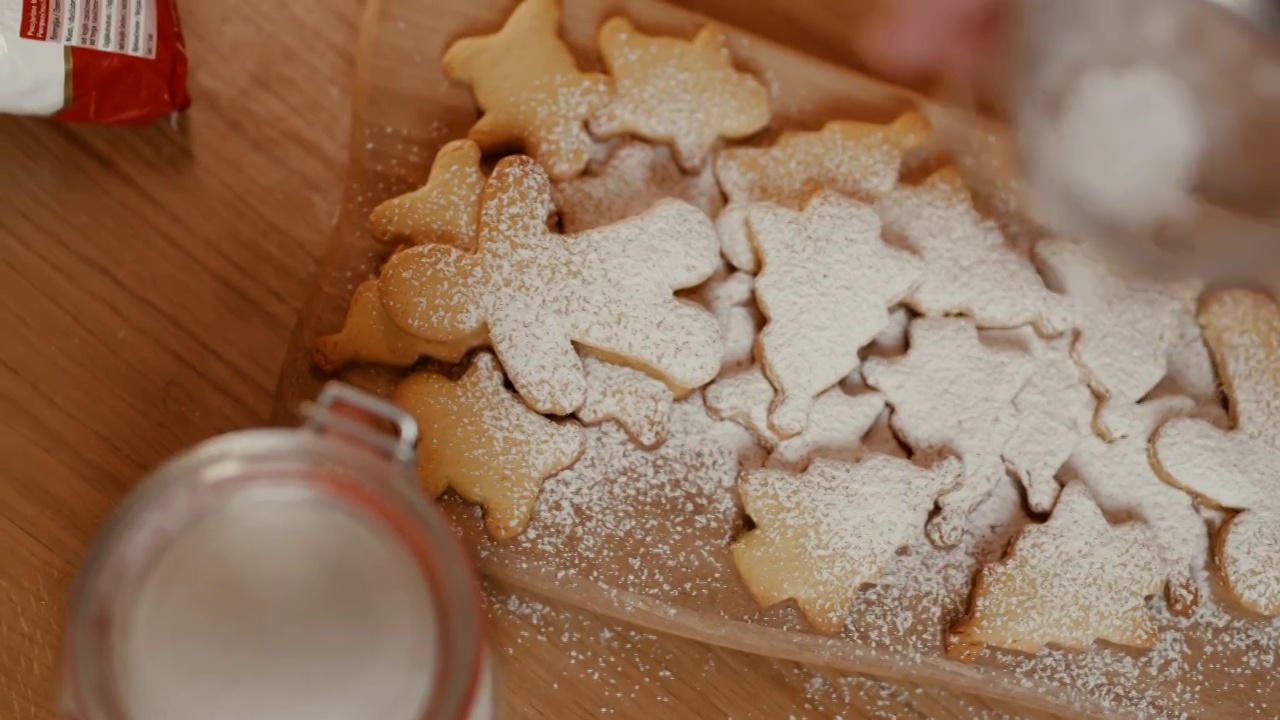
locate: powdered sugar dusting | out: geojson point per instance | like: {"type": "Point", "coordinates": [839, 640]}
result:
{"type": "Point", "coordinates": [609, 289]}
{"type": "Point", "coordinates": [530, 90]}
{"type": "Point", "coordinates": [480, 440]}
{"type": "Point", "coordinates": [1066, 582]}
{"type": "Point", "coordinates": [820, 536]}
{"type": "Point", "coordinates": [632, 180]}
{"type": "Point", "coordinates": [445, 210]}
{"type": "Point", "coordinates": [683, 93]}
{"type": "Point", "coordinates": [858, 159]}
{"type": "Point", "coordinates": [1127, 326]}
{"type": "Point", "coordinates": [952, 394]}
{"type": "Point", "coordinates": [640, 404]}
{"type": "Point", "coordinates": [1120, 478]}
{"type": "Point", "coordinates": [837, 422]}
{"type": "Point", "coordinates": [826, 284]}
{"type": "Point", "coordinates": [969, 269]}
{"type": "Point", "coordinates": [730, 296]}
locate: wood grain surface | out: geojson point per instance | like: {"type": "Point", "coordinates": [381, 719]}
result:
{"type": "Point", "coordinates": [149, 281]}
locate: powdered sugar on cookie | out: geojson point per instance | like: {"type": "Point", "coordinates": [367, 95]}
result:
{"type": "Point", "coordinates": [826, 283]}
{"type": "Point", "coordinates": [858, 159]}
{"type": "Point", "coordinates": [730, 296]}
{"type": "Point", "coordinates": [446, 210]}
{"type": "Point", "coordinates": [609, 289]}
{"type": "Point", "coordinates": [630, 181]}
{"type": "Point", "coordinates": [950, 393]}
{"type": "Point", "coordinates": [530, 90]}
{"type": "Point", "coordinates": [637, 402]}
{"type": "Point", "coordinates": [969, 269]}
{"type": "Point", "coordinates": [480, 440]}
{"type": "Point", "coordinates": [1068, 582]}
{"type": "Point", "coordinates": [821, 536]}
{"type": "Point", "coordinates": [1120, 478]}
{"type": "Point", "coordinates": [684, 93]}
{"type": "Point", "coordinates": [836, 427]}
{"type": "Point", "coordinates": [1054, 410]}
{"type": "Point", "coordinates": [369, 335]}
{"type": "Point", "coordinates": [1238, 469]}
{"type": "Point", "coordinates": [1127, 326]}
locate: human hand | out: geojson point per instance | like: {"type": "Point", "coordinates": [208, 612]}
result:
{"type": "Point", "coordinates": [912, 38]}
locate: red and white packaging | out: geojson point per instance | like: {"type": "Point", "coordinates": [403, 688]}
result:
{"type": "Point", "coordinates": [117, 62]}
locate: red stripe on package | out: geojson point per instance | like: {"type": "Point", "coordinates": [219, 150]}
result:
{"type": "Point", "coordinates": [119, 62]}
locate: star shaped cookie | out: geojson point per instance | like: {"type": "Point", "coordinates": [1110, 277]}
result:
{"type": "Point", "coordinates": [682, 93]}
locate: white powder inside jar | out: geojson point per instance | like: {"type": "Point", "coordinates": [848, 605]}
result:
{"type": "Point", "coordinates": [1129, 144]}
{"type": "Point", "coordinates": [280, 605]}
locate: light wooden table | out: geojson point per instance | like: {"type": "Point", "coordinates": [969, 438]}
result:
{"type": "Point", "coordinates": [148, 284]}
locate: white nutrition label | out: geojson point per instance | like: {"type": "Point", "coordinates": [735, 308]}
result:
{"type": "Point", "coordinates": [120, 26]}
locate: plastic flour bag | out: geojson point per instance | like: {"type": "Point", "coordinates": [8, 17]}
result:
{"type": "Point", "coordinates": [119, 62]}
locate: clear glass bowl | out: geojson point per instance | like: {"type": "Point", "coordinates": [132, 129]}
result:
{"type": "Point", "coordinates": [405, 109]}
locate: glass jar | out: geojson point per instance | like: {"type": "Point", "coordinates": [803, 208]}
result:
{"type": "Point", "coordinates": [282, 573]}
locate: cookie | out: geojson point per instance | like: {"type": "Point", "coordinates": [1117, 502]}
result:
{"type": "Point", "coordinates": [633, 178]}
{"type": "Point", "coordinates": [481, 440]}
{"type": "Point", "coordinates": [531, 94]}
{"type": "Point", "coordinates": [836, 427]}
{"type": "Point", "coordinates": [820, 536]}
{"type": "Point", "coordinates": [1126, 327]}
{"type": "Point", "coordinates": [369, 335]}
{"type": "Point", "coordinates": [1068, 582]}
{"type": "Point", "coordinates": [446, 210]}
{"type": "Point", "coordinates": [1054, 413]}
{"type": "Point", "coordinates": [826, 283]}
{"type": "Point", "coordinates": [639, 404]}
{"type": "Point", "coordinates": [538, 293]}
{"type": "Point", "coordinates": [682, 93]}
{"type": "Point", "coordinates": [858, 159]}
{"type": "Point", "coordinates": [1121, 479]}
{"type": "Point", "coordinates": [730, 296]}
{"type": "Point", "coordinates": [1237, 469]}
{"type": "Point", "coordinates": [969, 269]}
{"type": "Point", "coordinates": [952, 394]}
{"type": "Point", "coordinates": [1190, 366]}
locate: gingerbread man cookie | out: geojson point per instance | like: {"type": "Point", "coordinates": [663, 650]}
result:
{"type": "Point", "coordinates": [1126, 327]}
{"type": "Point", "coordinates": [826, 283]}
{"type": "Point", "coordinates": [538, 293]}
{"type": "Point", "coordinates": [368, 335]}
{"type": "Point", "coordinates": [852, 158]}
{"type": "Point", "coordinates": [952, 394]}
{"type": "Point", "coordinates": [969, 269]}
{"type": "Point", "coordinates": [819, 537]}
{"type": "Point", "coordinates": [1121, 479]}
{"type": "Point", "coordinates": [640, 404]}
{"type": "Point", "coordinates": [836, 427]}
{"type": "Point", "coordinates": [529, 89]}
{"type": "Point", "coordinates": [1237, 469]}
{"type": "Point", "coordinates": [630, 181]}
{"type": "Point", "coordinates": [683, 93]}
{"type": "Point", "coordinates": [1068, 582]}
{"type": "Point", "coordinates": [446, 210]}
{"type": "Point", "coordinates": [480, 440]}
